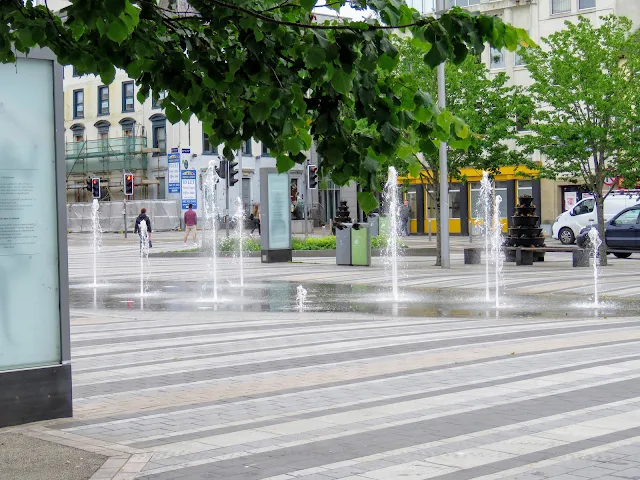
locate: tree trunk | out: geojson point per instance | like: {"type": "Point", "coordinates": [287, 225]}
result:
{"type": "Point", "coordinates": [600, 224]}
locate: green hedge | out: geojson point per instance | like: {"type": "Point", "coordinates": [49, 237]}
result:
{"type": "Point", "coordinates": [312, 243]}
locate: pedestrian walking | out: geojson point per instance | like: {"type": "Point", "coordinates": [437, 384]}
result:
{"type": "Point", "coordinates": [404, 216]}
{"type": "Point", "coordinates": [143, 218]}
{"type": "Point", "coordinates": [190, 223]}
{"type": "Point", "coordinates": [255, 218]}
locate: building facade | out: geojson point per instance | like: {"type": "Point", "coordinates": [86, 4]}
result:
{"type": "Point", "coordinates": [109, 132]}
{"type": "Point", "coordinates": [539, 18]}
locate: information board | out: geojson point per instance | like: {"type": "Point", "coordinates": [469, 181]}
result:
{"type": "Point", "coordinates": [279, 211]}
{"type": "Point", "coordinates": [173, 183]}
{"type": "Point", "coordinates": [30, 309]}
{"type": "Point", "coordinates": [189, 194]}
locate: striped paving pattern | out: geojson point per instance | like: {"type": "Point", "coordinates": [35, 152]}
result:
{"type": "Point", "coordinates": [323, 395]}
{"type": "Point", "coordinates": [278, 395]}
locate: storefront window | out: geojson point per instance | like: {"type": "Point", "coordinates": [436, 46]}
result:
{"type": "Point", "coordinates": [500, 188]}
{"type": "Point", "coordinates": [525, 187]}
{"type": "Point", "coordinates": [411, 197]}
{"type": "Point", "coordinates": [454, 200]}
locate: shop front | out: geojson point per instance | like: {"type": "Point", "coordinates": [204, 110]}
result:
{"type": "Point", "coordinates": [463, 199]}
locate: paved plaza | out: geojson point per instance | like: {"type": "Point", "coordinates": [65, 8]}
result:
{"type": "Point", "coordinates": [441, 385]}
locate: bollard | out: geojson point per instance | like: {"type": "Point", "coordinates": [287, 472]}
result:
{"type": "Point", "coordinates": [470, 231]}
{"type": "Point", "coordinates": [429, 228]}
{"type": "Point", "coordinates": [324, 230]}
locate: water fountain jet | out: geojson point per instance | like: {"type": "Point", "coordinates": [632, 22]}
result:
{"type": "Point", "coordinates": [595, 242]}
{"type": "Point", "coordinates": [393, 212]}
{"type": "Point", "coordinates": [486, 193]}
{"type": "Point", "coordinates": [97, 237]}
{"type": "Point", "coordinates": [301, 297]}
{"type": "Point", "coordinates": [210, 180]}
{"type": "Point", "coordinates": [496, 247]}
{"type": "Point", "coordinates": [239, 218]}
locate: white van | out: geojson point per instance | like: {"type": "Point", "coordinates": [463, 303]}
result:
{"type": "Point", "coordinates": [568, 225]}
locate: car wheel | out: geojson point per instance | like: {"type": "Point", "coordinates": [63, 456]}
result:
{"type": "Point", "coordinates": [622, 254]}
{"type": "Point", "coordinates": [566, 236]}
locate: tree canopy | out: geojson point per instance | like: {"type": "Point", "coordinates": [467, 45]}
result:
{"type": "Point", "coordinates": [587, 85]}
{"type": "Point", "coordinates": [265, 69]}
{"type": "Point", "coordinates": [485, 111]}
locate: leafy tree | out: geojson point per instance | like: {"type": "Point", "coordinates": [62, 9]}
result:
{"type": "Point", "coordinates": [587, 83]}
{"type": "Point", "coordinates": [484, 112]}
{"type": "Point", "coordinates": [265, 69]}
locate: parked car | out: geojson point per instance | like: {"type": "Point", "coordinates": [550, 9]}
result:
{"type": "Point", "coordinates": [621, 233]}
{"type": "Point", "coordinates": [569, 224]}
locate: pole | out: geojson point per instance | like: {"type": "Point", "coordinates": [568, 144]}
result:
{"type": "Point", "coordinates": [240, 174]}
{"type": "Point", "coordinates": [305, 182]}
{"type": "Point", "coordinates": [444, 173]}
{"type": "Point", "coordinates": [124, 211]}
{"type": "Point", "coordinates": [226, 216]}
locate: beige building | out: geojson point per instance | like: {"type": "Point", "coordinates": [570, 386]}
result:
{"type": "Point", "coordinates": [539, 18]}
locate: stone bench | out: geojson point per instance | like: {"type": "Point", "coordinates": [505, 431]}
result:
{"type": "Point", "coordinates": [525, 255]}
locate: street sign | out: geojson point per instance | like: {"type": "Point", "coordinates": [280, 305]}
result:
{"type": "Point", "coordinates": [189, 189]}
{"type": "Point", "coordinates": [173, 184]}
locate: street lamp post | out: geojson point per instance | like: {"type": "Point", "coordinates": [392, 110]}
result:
{"type": "Point", "coordinates": [444, 172]}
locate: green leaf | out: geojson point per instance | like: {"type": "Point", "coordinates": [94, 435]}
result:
{"type": "Point", "coordinates": [414, 169]}
{"type": "Point", "coordinates": [367, 201]}
{"type": "Point", "coordinates": [444, 120]}
{"type": "Point", "coordinates": [388, 63]}
{"type": "Point", "coordinates": [107, 73]}
{"type": "Point", "coordinates": [259, 112]}
{"type": "Point", "coordinates": [172, 113]}
{"type": "Point", "coordinates": [461, 128]}
{"type": "Point", "coordinates": [284, 163]}
{"type": "Point", "coordinates": [342, 82]}
{"type": "Point", "coordinates": [390, 133]}
{"type": "Point", "coordinates": [308, 4]}
{"type": "Point", "coordinates": [315, 56]}
{"type": "Point", "coordinates": [117, 30]}
{"type": "Point", "coordinates": [371, 164]}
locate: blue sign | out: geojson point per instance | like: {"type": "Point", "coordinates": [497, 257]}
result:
{"type": "Point", "coordinates": [173, 184]}
{"type": "Point", "coordinates": [188, 181]}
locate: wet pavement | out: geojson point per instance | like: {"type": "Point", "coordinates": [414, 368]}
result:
{"type": "Point", "coordinates": [281, 296]}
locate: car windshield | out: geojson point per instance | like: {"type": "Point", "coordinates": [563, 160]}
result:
{"type": "Point", "coordinates": [584, 207]}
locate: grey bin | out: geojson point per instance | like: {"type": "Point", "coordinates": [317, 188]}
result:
{"type": "Point", "coordinates": [353, 245]}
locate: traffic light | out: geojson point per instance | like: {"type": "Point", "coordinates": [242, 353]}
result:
{"type": "Point", "coordinates": [128, 184]}
{"type": "Point", "coordinates": [312, 176]}
{"type": "Point", "coordinates": [222, 170]}
{"type": "Point", "coordinates": [95, 187]}
{"type": "Point", "coordinates": [233, 171]}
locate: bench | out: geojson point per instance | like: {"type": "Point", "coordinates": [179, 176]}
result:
{"type": "Point", "coordinates": [525, 255]}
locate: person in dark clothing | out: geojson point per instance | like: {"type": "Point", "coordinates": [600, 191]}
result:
{"type": "Point", "coordinates": [255, 218]}
{"type": "Point", "coordinates": [143, 218]}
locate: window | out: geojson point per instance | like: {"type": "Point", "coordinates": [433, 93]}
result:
{"type": "Point", "coordinates": [525, 187]}
{"type": "Point", "coordinates": [630, 217]}
{"type": "Point", "coordinates": [560, 6]}
{"type": "Point", "coordinates": [522, 123]}
{"type": "Point", "coordinates": [496, 58]}
{"type": "Point", "coordinates": [500, 188]}
{"type": "Point", "coordinates": [461, 3]}
{"type": "Point", "coordinates": [127, 126]}
{"type": "Point", "coordinates": [582, 4]}
{"type": "Point", "coordinates": [75, 72]}
{"type": "Point", "coordinates": [127, 97]}
{"type": "Point", "coordinates": [161, 96]}
{"type": "Point", "coordinates": [207, 149]}
{"type": "Point", "coordinates": [584, 207]}
{"type": "Point", "coordinates": [103, 100]}
{"type": "Point", "coordinates": [159, 133]}
{"type": "Point", "coordinates": [519, 60]}
{"type": "Point", "coordinates": [78, 103]}
{"type": "Point", "coordinates": [454, 200]}
{"type": "Point", "coordinates": [265, 151]}
{"type": "Point", "coordinates": [246, 148]}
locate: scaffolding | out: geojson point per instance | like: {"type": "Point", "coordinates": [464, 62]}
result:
{"type": "Point", "coordinates": [106, 158]}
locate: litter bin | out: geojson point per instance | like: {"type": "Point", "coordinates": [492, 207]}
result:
{"type": "Point", "coordinates": [360, 244]}
{"type": "Point", "coordinates": [353, 244]}
{"type": "Point", "coordinates": [343, 243]}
